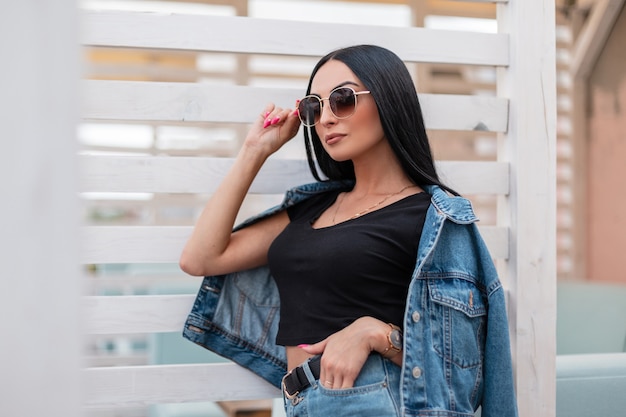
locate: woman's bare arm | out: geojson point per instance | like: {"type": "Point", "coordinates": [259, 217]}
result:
{"type": "Point", "coordinates": [212, 248]}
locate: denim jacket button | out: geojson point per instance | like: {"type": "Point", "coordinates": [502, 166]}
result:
{"type": "Point", "coordinates": [417, 372]}
{"type": "Point", "coordinates": [416, 316]}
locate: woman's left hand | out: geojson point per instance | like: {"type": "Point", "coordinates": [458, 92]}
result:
{"type": "Point", "coordinates": [345, 352]}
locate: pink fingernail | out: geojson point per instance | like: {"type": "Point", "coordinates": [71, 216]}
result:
{"type": "Point", "coordinates": [303, 346]}
{"type": "Point", "coordinates": [275, 120]}
{"type": "Point", "coordinates": [266, 114]}
{"type": "Point", "coordinates": [266, 123]}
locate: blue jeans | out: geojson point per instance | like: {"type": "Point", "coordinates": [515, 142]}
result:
{"type": "Point", "coordinates": [376, 393]}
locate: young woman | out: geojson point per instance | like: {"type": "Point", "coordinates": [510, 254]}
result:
{"type": "Point", "coordinates": [370, 292]}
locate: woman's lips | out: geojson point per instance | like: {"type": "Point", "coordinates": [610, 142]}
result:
{"type": "Point", "coordinates": [333, 138]}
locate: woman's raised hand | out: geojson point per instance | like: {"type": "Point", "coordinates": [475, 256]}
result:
{"type": "Point", "coordinates": [273, 128]}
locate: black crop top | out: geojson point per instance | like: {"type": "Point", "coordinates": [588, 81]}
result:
{"type": "Point", "coordinates": [329, 277]}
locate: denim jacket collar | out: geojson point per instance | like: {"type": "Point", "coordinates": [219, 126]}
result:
{"type": "Point", "coordinates": [457, 209]}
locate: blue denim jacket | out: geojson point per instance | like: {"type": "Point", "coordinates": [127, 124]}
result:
{"type": "Point", "coordinates": [456, 338]}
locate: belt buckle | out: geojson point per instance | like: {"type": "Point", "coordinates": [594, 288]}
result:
{"type": "Point", "coordinates": [287, 394]}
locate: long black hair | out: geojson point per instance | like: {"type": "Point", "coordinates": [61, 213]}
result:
{"type": "Point", "coordinates": [384, 74]}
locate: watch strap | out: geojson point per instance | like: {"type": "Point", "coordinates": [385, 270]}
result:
{"type": "Point", "coordinates": [391, 349]}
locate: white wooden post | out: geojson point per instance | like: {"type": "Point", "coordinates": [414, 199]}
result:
{"type": "Point", "coordinates": [39, 276]}
{"type": "Point", "coordinates": [530, 207]}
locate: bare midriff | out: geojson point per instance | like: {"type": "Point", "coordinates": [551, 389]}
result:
{"type": "Point", "coordinates": [296, 356]}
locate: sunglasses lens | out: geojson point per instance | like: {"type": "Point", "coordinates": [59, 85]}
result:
{"type": "Point", "coordinates": [309, 110]}
{"type": "Point", "coordinates": [342, 102]}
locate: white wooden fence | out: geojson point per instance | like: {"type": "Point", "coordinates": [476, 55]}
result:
{"type": "Point", "coordinates": [523, 177]}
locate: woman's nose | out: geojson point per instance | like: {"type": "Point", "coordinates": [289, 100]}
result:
{"type": "Point", "coordinates": [326, 115]}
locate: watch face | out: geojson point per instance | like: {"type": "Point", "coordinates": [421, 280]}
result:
{"type": "Point", "coordinates": [396, 338]}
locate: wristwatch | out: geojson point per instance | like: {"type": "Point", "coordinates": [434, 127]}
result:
{"type": "Point", "coordinates": [394, 337]}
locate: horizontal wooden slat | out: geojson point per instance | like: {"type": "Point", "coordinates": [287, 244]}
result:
{"type": "Point", "coordinates": [183, 174]}
{"type": "Point", "coordinates": [139, 244]}
{"type": "Point", "coordinates": [196, 102]}
{"type": "Point", "coordinates": [133, 244]}
{"type": "Point", "coordinates": [144, 385]}
{"type": "Point", "coordinates": [131, 281]}
{"type": "Point", "coordinates": [203, 175]}
{"type": "Point", "coordinates": [281, 37]}
{"type": "Point", "coordinates": [136, 314]}
{"type": "Point", "coordinates": [476, 177]}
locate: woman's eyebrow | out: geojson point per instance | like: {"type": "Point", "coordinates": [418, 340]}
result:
{"type": "Point", "coordinates": [340, 85]}
{"type": "Point", "coordinates": [346, 83]}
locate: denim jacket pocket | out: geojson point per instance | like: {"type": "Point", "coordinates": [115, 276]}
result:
{"type": "Point", "coordinates": [249, 308]}
{"type": "Point", "coordinates": [459, 318]}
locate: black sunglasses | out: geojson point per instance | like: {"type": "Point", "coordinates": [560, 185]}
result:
{"type": "Point", "coordinates": [342, 102]}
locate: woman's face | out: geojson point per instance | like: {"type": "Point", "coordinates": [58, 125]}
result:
{"type": "Point", "coordinates": [357, 136]}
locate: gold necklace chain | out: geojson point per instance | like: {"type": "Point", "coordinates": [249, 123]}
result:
{"type": "Point", "coordinates": [362, 212]}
